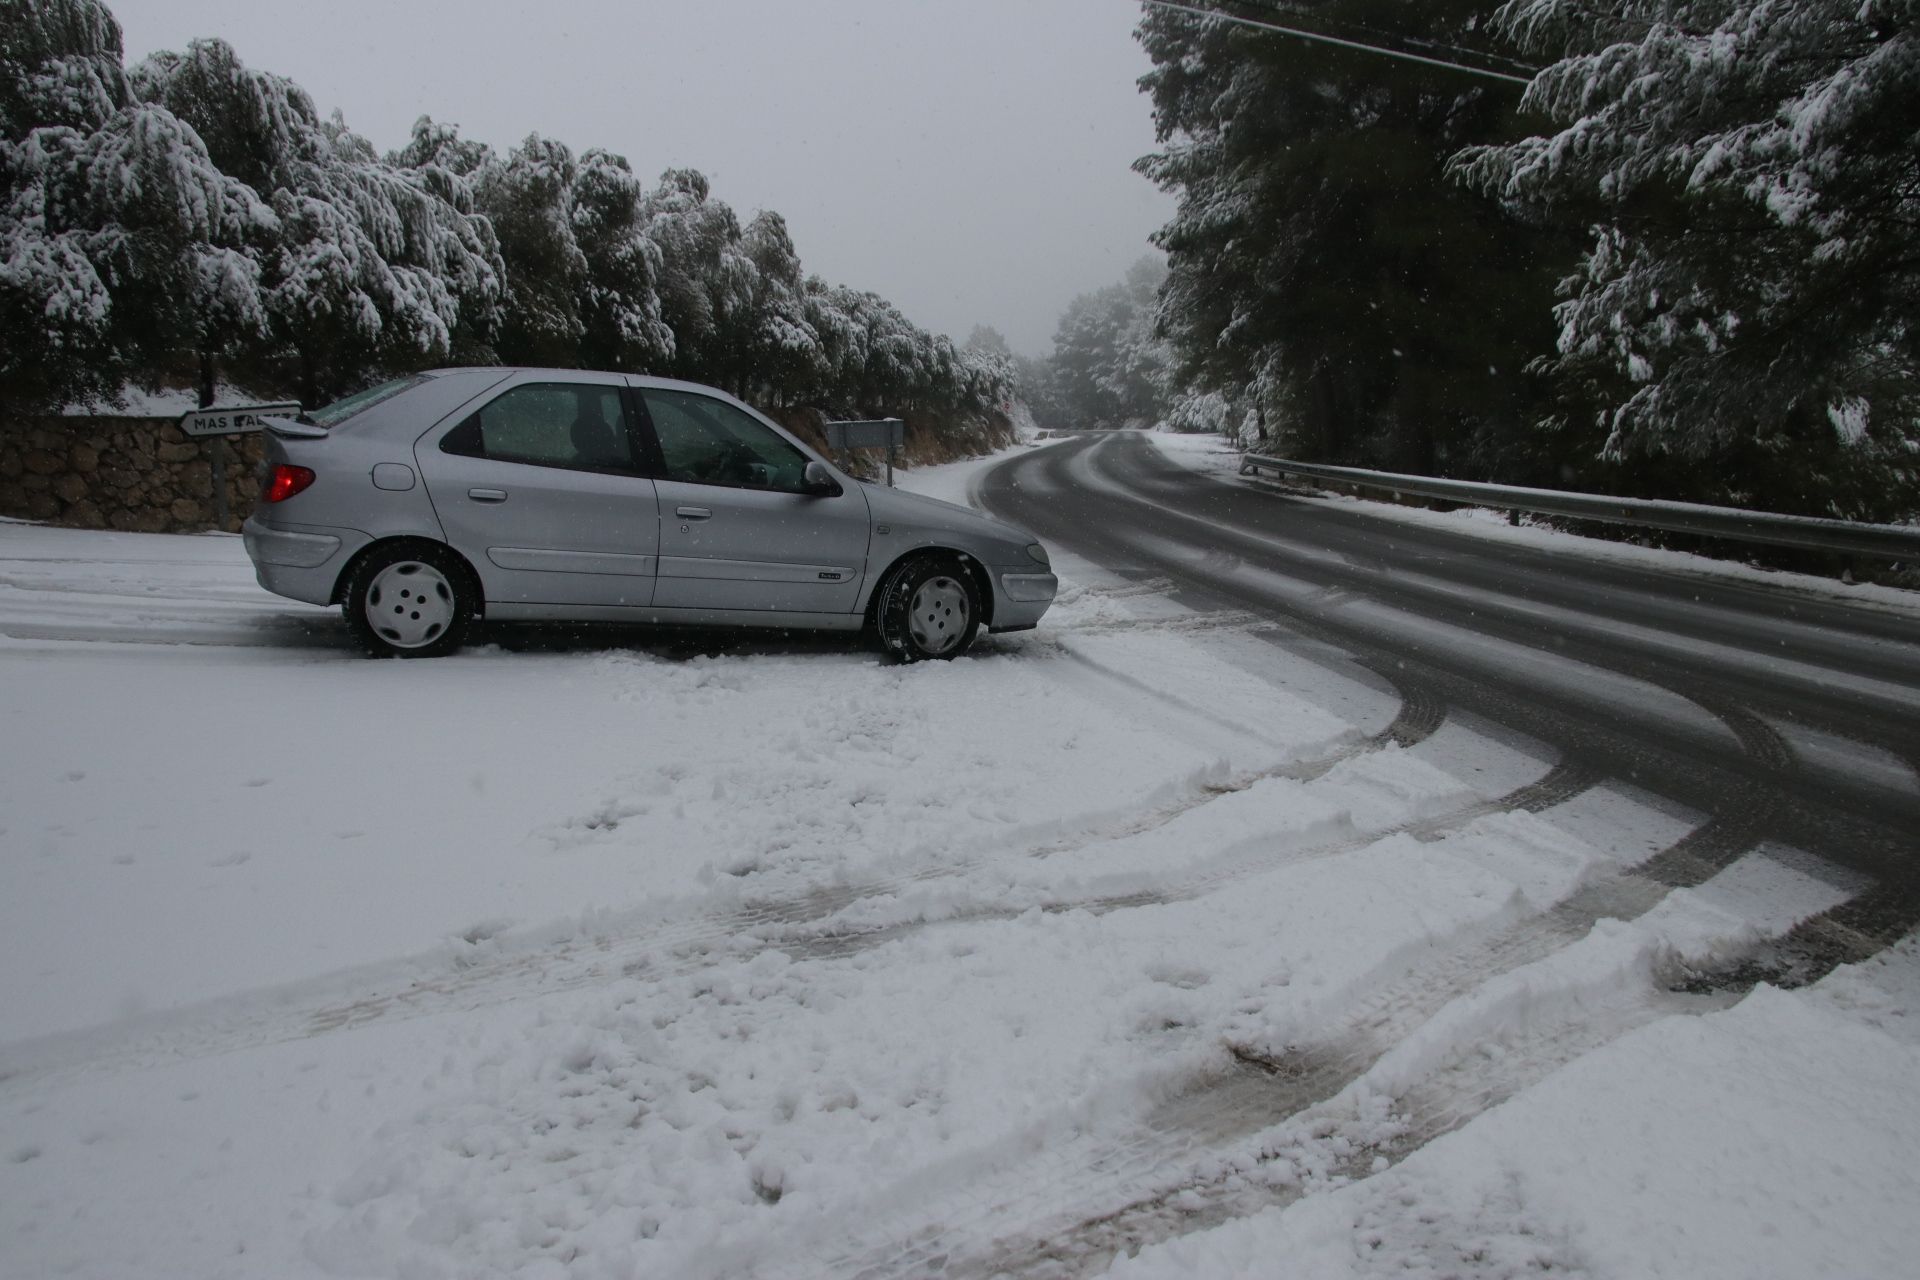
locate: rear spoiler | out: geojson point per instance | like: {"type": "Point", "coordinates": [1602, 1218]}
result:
{"type": "Point", "coordinates": [288, 429]}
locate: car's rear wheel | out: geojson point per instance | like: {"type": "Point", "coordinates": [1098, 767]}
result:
{"type": "Point", "coordinates": [928, 607]}
{"type": "Point", "coordinates": [409, 600]}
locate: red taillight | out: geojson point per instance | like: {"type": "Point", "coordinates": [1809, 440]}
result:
{"type": "Point", "coordinates": [285, 481]}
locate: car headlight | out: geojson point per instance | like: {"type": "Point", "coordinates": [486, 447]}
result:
{"type": "Point", "coordinates": [1037, 552]}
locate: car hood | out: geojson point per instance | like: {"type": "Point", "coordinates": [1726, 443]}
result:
{"type": "Point", "coordinates": [896, 506]}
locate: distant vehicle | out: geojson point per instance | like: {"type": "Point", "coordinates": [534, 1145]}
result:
{"type": "Point", "coordinates": [550, 494]}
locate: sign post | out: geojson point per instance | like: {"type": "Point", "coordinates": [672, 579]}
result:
{"type": "Point", "coordinates": [219, 422]}
{"type": "Point", "coordinates": [878, 433]}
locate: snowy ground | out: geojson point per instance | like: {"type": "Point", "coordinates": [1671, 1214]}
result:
{"type": "Point", "coordinates": [608, 956]}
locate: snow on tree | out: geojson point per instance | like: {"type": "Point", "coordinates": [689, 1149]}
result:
{"type": "Point", "coordinates": [60, 79]}
{"type": "Point", "coordinates": [990, 369]}
{"type": "Point", "coordinates": [707, 283]}
{"type": "Point", "coordinates": [439, 148]}
{"type": "Point", "coordinates": [60, 66]}
{"type": "Point", "coordinates": [988, 341]}
{"type": "Point", "coordinates": [1750, 170]}
{"type": "Point", "coordinates": [834, 314]}
{"type": "Point", "coordinates": [623, 327]}
{"type": "Point", "coordinates": [138, 210]}
{"type": "Point", "coordinates": [1318, 251]}
{"type": "Point", "coordinates": [782, 349]}
{"type": "Point", "coordinates": [529, 199]}
{"type": "Point", "coordinates": [197, 206]}
{"type": "Point", "coordinates": [1108, 366]}
{"type": "Point", "coordinates": [1201, 413]}
{"type": "Point", "coordinates": [874, 360]}
{"type": "Point", "coordinates": [376, 266]}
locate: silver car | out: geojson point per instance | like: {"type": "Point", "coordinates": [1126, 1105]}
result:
{"type": "Point", "coordinates": [539, 494]}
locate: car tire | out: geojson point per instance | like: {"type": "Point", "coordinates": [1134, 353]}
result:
{"type": "Point", "coordinates": [409, 600]}
{"type": "Point", "coordinates": [926, 608]}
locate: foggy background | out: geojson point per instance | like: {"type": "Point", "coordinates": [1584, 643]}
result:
{"type": "Point", "coordinates": [968, 160]}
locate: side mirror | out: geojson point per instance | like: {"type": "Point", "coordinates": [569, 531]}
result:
{"type": "Point", "coordinates": [818, 482]}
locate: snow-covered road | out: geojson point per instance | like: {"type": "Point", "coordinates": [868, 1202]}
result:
{"type": "Point", "coordinates": [613, 955]}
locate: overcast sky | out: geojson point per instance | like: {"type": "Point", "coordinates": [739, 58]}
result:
{"type": "Point", "coordinates": [966, 159]}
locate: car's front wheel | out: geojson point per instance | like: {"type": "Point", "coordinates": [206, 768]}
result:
{"type": "Point", "coordinates": [928, 607]}
{"type": "Point", "coordinates": [409, 600]}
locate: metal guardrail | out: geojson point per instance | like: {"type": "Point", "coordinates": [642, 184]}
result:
{"type": "Point", "coordinates": [1898, 542]}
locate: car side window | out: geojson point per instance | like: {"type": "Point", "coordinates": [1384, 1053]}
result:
{"type": "Point", "coordinates": [707, 441]}
{"type": "Point", "coordinates": [579, 426]}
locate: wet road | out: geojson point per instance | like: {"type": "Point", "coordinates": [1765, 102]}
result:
{"type": "Point", "coordinates": [1786, 718]}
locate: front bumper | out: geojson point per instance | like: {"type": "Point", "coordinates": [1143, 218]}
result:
{"type": "Point", "coordinates": [301, 562]}
{"type": "Point", "coordinates": [1024, 597]}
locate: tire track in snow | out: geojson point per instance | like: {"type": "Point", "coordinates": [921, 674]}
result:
{"type": "Point", "coordinates": [1186, 1164]}
{"type": "Point", "coordinates": [1326, 1145]}
{"type": "Point", "coordinates": [1239, 863]}
{"type": "Point", "coordinates": [1420, 716]}
{"type": "Point", "coordinates": [643, 944]}
{"type": "Point", "coordinates": [1310, 1076]}
{"type": "Point", "coordinates": [792, 924]}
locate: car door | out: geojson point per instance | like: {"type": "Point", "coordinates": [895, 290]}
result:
{"type": "Point", "coordinates": [541, 490]}
{"type": "Point", "coordinates": [737, 529]}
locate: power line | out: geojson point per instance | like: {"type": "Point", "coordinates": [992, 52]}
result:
{"type": "Point", "coordinates": [1197, 11]}
{"type": "Point", "coordinates": [1279, 8]}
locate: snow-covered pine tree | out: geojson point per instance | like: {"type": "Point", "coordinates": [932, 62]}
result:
{"type": "Point", "coordinates": [1322, 267]}
{"type": "Point", "coordinates": [623, 326]}
{"type": "Point", "coordinates": [706, 283]}
{"type": "Point", "coordinates": [529, 199]}
{"type": "Point", "coordinates": [1748, 311]}
{"type": "Point", "coordinates": [446, 166]}
{"type": "Point", "coordinates": [123, 243]}
{"type": "Point", "coordinates": [60, 66]}
{"type": "Point", "coordinates": [60, 79]}
{"type": "Point", "coordinates": [782, 349]}
{"type": "Point", "coordinates": [833, 312]}
{"type": "Point", "coordinates": [374, 267]}
{"type": "Point", "coordinates": [991, 364]}
{"type": "Point", "coordinates": [1108, 367]}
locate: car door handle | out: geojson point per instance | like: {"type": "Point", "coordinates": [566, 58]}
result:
{"type": "Point", "coordinates": [694, 513]}
{"type": "Point", "coordinates": [487, 495]}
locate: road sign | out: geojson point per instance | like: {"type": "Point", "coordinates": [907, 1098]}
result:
{"type": "Point", "coordinates": [881, 433]}
{"type": "Point", "coordinates": [232, 420]}
{"type": "Point", "coordinates": [875, 433]}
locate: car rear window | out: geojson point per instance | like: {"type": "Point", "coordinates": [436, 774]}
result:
{"type": "Point", "coordinates": [340, 410]}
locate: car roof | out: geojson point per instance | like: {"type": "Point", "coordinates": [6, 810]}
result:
{"type": "Point", "coordinates": [642, 379]}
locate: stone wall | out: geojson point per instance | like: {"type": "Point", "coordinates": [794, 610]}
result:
{"type": "Point", "coordinates": [140, 474]}
{"type": "Point", "coordinates": [145, 475]}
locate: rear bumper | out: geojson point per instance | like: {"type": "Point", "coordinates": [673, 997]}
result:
{"type": "Point", "coordinates": [1023, 598]}
{"type": "Point", "coordinates": [301, 562]}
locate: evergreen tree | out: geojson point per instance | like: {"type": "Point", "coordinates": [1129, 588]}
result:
{"type": "Point", "coordinates": [780, 349]}
{"type": "Point", "coordinates": [706, 282]}
{"type": "Point", "coordinates": [60, 66]}
{"type": "Point", "coordinates": [1746, 311]}
{"type": "Point", "coordinates": [1322, 267]}
{"type": "Point", "coordinates": [370, 268]}
{"type": "Point", "coordinates": [528, 197]}
{"type": "Point", "coordinates": [60, 80]}
{"type": "Point", "coordinates": [196, 206]}
{"type": "Point", "coordinates": [622, 323]}
{"type": "Point", "coordinates": [1108, 368]}
{"type": "Point", "coordinates": [122, 244]}
{"type": "Point", "coordinates": [988, 341]}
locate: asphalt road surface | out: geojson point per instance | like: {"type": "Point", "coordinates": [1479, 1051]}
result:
{"type": "Point", "coordinates": [1788, 720]}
